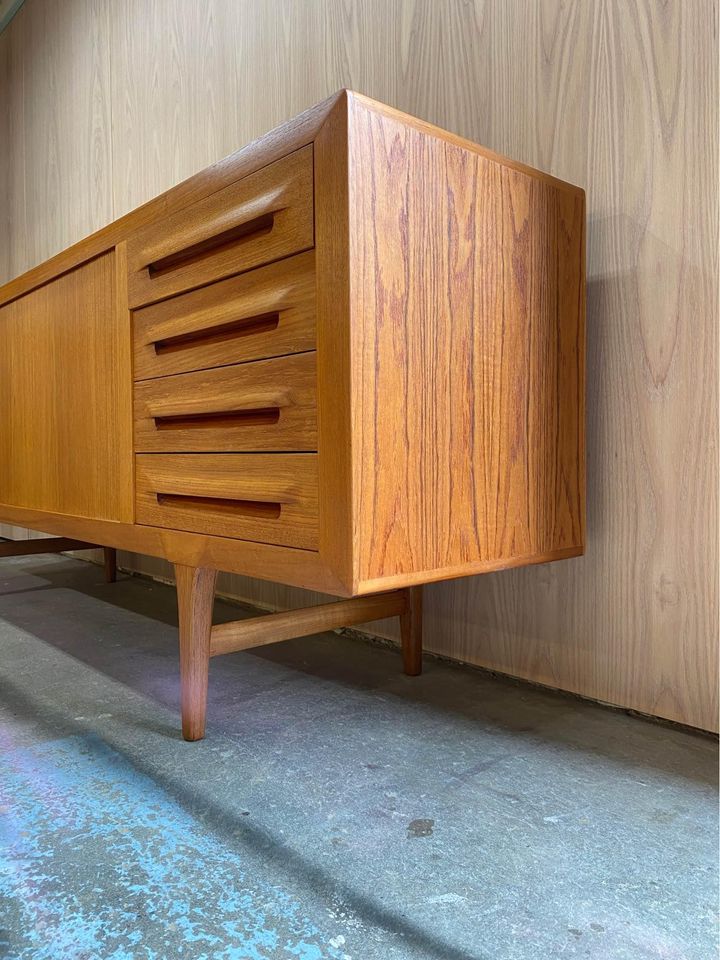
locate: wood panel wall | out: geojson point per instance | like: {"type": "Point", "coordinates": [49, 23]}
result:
{"type": "Point", "coordinates": [104, 105]}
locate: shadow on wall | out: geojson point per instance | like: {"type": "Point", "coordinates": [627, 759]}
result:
{"type": "Point", "coordinates": [607, 623]}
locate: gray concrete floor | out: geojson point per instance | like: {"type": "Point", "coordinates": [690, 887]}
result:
{"type": "Point", "coordinates": [336, 809]}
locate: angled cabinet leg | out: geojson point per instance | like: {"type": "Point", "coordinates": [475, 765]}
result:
{"type": "Point", "coordinates": [411, 632]}
{"type": "Point", "coordinates": [110, 556]}
{"type": "Point", "coordinates": [196, 593]}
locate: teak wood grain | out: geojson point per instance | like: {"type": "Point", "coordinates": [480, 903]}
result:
{"type": "Point", "coordinates": [195, 593]}
{"type": "Point", "coordinates": [267, 312]}
{"type": "Point", "coordinates": [263, 405]}
{"type": "Point", "coordinates": [445, 300]}
{"type": "Point", "coordinates": [467, 352]}
{"type": "Point", "coordinates": [273, 628]}
{"type": "Point", "coordinates": [619, 97]}
{"type": "Point", "coordinates": [65, 398]}
{"type": "Point", "coordinates": [260, 218]}
{"type": "Point", "coordinates": [367, 354]}
{"type": "Point", "coordinates": [268, 498]}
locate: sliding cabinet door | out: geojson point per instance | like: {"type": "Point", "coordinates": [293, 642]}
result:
{"type": "Point", "coordinates": [65, 397]}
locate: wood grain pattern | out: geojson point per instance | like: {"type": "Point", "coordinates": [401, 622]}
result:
{"type": "Point", "coordinates": [195, 593]}
{"type": "Point", "coordinates": [290, 565]}
{"type": "Point", "coordinates": [6, 171]}
{"type": "Point", "coordinates": [6, 164]}
{"type": "Point", "coordinates": [65, 411]}
{"type": "Point", "coordinates": [400, 219]}
{"type": "Point", "coordinates": [619, 97]}
{"type": "Point", "coordinates": [60, 155]}
{"type": "Point", "coordinates": [467, 345]}
{"type": "Point", "coordinates": [268, 498]}
{"type": "Point", "coordinates": [332, 258]}
{"type": "Point", "coordinates": [635, 622]}
{"type": "Point", "coordinates": [267, 312]}
{"type": "Point", "coordinates": [264, 405]}
{"type": "Point", "coordinates": [258, 631]}
{"type": "Point", "coordinates": [273, 208]}
{"type": "Point", "coordinates": [289, 136]}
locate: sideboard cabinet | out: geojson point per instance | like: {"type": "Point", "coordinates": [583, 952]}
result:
{"type": "Point", "coordinates": [349, 357]}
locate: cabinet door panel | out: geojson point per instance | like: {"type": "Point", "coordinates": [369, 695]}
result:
{"type": "Point", "coordinates": [65, 397]}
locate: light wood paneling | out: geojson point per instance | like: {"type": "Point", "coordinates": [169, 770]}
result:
{"type": "Point", "coordinates": [5, 157]}
{"type": "Point", "coordinates": [55, 96]}
{"type": "Point", "coordinates": [59, 139]}
{"type": "Point", "coordinates": [620, 97]}
{"type": "Point", "coordinates": [5, 172]}
{"type": "Point", "coordinates": [635, 622]}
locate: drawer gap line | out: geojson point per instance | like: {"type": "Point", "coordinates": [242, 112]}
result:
{"type": "Point", "coordinates": [153, 300]}
{"type": "Point", "coordinates": [221, 366]}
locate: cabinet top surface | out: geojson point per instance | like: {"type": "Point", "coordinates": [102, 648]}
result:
{"type": "Point", "coordinates": [290, 135]}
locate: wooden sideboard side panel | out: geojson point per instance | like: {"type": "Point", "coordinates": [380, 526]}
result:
{"type": "Point", "coordinates": [467, 344]}
{"type": "Point", "coordinates": [65, 397]}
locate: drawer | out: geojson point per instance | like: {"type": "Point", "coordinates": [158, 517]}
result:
{"type": "Point", "coordinates": [261, 218]}
{"type": "Point", "coordinates": [265, 313]}
{"type": "Point", "coordinates": [265, 405]}
{"type": "Point", "coordinates": [266, 498]}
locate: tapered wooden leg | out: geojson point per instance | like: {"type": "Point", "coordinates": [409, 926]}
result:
{"type": "Point", "coordinates": [110, 564]}
{"type": "Point", "coordinates": [195, 592]}
{"type": "Point", "coordinates": [411, 632]}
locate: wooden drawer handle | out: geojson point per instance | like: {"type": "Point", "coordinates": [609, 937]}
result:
{"type": "Point", "coordinates": [219, 333]}
{"type": "Point", "coordinates": [251, 229]}
{"type": "Point", "coordinates": [220, 418]}
{"type": "Point", "coordinates": [233, 508]}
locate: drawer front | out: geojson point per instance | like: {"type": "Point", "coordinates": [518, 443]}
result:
{"type": "Point", "coordinates": [266, 498]}
{"type": "Point", "coordinates": [266, 405]}
{"type": "Point", "coordinates": [265, 313]}
{"type": "Point", "coordinates": [261, 218]}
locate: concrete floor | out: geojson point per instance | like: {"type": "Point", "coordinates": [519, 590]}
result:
{"type": "Point", "coordinates": [337, 809]}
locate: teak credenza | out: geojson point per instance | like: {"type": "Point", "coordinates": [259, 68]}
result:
{"type": "Point", "coordinates": [349, 357]}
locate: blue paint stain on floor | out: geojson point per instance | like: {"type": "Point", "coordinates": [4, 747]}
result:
{"type": "Point", "coordinates": [92, 853]}
{"type": "Point", "coordinates": [337, 809]}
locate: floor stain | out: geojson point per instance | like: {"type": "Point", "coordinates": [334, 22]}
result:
{"type": "Point", "coordinates": [420, 828]}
